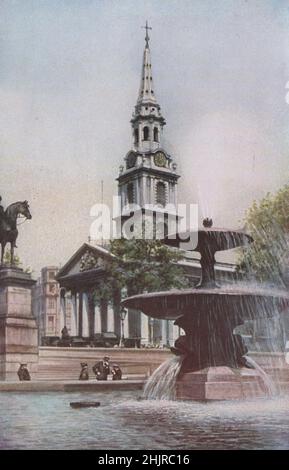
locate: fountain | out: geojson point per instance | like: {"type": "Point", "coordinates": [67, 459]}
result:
{"type": "Point", "coordinates": [213, 363]}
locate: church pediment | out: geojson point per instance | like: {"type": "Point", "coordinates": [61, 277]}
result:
{"type": "Point", "coordinates": [86, 258]}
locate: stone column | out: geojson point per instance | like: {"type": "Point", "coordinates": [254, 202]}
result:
{"type": "Point", "coordinates": [137, 192]}
{"type": "Point", "coordinates": [157, 332]}
{"type": "Point", "coordinates": [110, 318]}
{"type": "Point", "coordinates": [164, 332]}
{"type": "Point", "coordinates": [74, 314]}
{"type": "Point", "coordinates": [175, 190]}
{"type": "Point", "coordinates": [97, 319]}
{"type": "Point", "coordinates": [170, 338]}
{"type": "Point", "coordinates": [91, 315]}
{"type": "Point", "coordinates": [125, 327]}
{"type": "Point", "coordinates": [152, 191]}
{"type": "Point", "coordinates": [144, 329]}
{"type": "Point", "coordinates": [80, 314]}
{"type": "Point", "coordinates": [85, 325]}
{"type": "Point", "coordinates": [116, 317]}
{"type": "Point", "coordinates": [103, 309]}
{"type": "Point", "coordinates": [148, 190]}
{"type": "Point", "coordinates": [18, 328]}
{"type": "Point", "coordinates": [134, 323]}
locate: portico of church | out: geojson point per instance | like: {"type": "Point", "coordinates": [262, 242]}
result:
{"type": "Point", "coordinates": [89, 314]}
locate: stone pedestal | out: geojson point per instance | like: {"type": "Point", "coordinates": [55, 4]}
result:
{"type": "Point", "coordinates": [18, 329]}
{"type": "Point", "coordinates": [221, 383]}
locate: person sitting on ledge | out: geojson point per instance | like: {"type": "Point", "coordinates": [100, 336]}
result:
{"type": "Point", "coordinates": [102, 369]}
{"type": "Point", "coordinates": [64, 333]}
{"type": "Point", "coordinates": [116, 372]}
{"type": "Point", "coordinates": [23, 373]}
{"type": "Point", "coordinates": [84, 371]}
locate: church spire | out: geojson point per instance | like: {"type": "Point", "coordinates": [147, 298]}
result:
{"type": "Point", "coordinates": [147, 38]}
{"type": "Point", "coordinates": [147, 121]}
{"type": "Point", "coordinates": [149, 175]}
{"type": "Point", "coordinates": [146, 92]}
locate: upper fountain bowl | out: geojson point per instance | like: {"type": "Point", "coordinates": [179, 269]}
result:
{"type": "Point", "coordinates": [209, 238]}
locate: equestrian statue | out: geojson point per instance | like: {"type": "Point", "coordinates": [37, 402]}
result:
{"type": "Point", "coordinates": [8, 225]}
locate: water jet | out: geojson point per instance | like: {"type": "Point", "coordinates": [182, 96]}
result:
{"type": "Point", "coordinates": [214, 362]}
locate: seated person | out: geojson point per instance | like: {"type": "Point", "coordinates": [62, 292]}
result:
{"type": "Point", "coordinates": [102, 369]}
{"type": "Point", "coordinates": [64, 333]}
{"type": "Point", "coordinates": [116, 372]}
{"type": "Point", "coordinates": [23, 373]}
{"type": "Point", "coordinates": [84, 371]}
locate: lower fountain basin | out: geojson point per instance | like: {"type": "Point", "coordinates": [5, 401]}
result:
{"type": "Point", "coordinates": [247, 303]}
{"type": "Point", "coordinates": [209, 316]}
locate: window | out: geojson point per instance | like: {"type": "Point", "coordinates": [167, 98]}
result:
{"type": "Point", "coordinates": [130, 193]}
{"type": "Point", "coordinates": [51, 303]}
{"type": "Point", "coordinates": [51, 275]}
{"type": "Point", "coordinates": [146, 133]}
{"type": "Point", "coordinates": [50, 324]}
{"type": "Point", "coordinates": [161, 193]}
{"type": "Point", "coordinates": [136, 136]}
{"type": "Point", "coordinates": [156, 134]}
{"type": "Point", "coordinates": [52, 288]}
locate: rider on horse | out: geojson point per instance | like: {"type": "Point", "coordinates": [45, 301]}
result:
{"type": "Point", "coordinates": [2, 213]}
{"type": "Point", "coordinates": [8, 225]}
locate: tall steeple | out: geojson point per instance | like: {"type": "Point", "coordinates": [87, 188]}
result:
{"type": "Point", "coordinates": [147, 121]}
{"type": "Point", "coordinates": [146, 92]}
{"type": "Point", "coordinates": [149, 175]}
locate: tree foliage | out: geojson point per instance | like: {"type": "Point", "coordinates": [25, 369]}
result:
{"type": "Point", "coordinates": [140, 266]}
{"type": "Point", "coordinates": [17, 261]}
{"type": "Point", "coordinates": [7, 259]}
{"type": "Point", "coordinates": [267, 259]}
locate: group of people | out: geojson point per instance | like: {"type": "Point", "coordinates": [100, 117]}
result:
{"type": "Point", "coordinates": [101, 369]}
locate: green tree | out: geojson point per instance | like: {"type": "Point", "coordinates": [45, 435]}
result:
{"type": "Point", "coordinates": [141, 266]}
{"type": "Point", "coordinates": [17, 262]}
{"type": "Point", "coordinates": [267, 259]}
{"type": "Point", "coordinates": [7, 259]}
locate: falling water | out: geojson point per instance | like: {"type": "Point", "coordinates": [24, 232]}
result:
{"type": "Point", "coordinates": [272, 390]}
{"type": "Point", "coordinates": [161, 384]}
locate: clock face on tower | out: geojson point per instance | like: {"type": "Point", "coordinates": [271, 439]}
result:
{"type": "Point", "coordinates": [131, 160]}
{"type": "Point", "coordinates": [160, 159]}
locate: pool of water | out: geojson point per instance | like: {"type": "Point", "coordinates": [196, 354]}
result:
{"type": "Point", "coordinates": [46, 421]}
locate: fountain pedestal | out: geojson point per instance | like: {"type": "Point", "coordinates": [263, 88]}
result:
{"type": "Point", "coordinates": [18, 329]}
{"type": "Point", "coordinates": [220, 383]}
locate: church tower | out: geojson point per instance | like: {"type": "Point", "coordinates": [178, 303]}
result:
{"type": "Point", "coordinates": [148, 176]}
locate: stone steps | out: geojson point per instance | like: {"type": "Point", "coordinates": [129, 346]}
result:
{"type": "Point", "coordinates": [58, 377]}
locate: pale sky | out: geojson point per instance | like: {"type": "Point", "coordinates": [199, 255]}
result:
{"type": "Point", "coordinates": [69, 78]}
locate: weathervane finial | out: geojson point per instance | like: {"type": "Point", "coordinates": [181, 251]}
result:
{"type": "Point", "coordinates": [147, 38]}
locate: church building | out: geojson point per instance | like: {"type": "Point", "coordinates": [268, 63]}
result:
{"type": "Point", "coordinates": [148, 178]}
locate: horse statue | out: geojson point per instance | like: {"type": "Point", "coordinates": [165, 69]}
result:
{"type": "Point", "coordinates": [8, 225]}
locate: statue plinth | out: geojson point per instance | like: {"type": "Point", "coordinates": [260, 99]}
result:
{"type": "Point", "coordinates": [18, 329]}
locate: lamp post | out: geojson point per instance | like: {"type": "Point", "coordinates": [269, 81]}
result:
{"type": "Point", "coordinates": [122, 315]}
